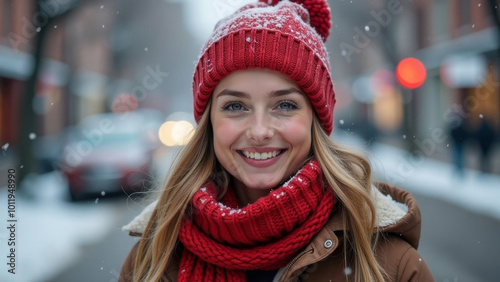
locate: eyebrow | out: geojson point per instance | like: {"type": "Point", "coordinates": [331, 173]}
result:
{"type": "Point", "coordinates": [285, 92]}
{"type": "Point", "coordinates": [240, 94]}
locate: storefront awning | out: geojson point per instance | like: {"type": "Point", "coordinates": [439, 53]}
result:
{"type": "Point", "coordinates": [477, 42]}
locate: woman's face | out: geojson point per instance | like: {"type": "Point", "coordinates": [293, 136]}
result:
{"type": "Point", "coordinates": [262, 128]}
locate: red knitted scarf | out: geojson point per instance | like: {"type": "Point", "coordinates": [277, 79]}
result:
{"type": "Point", "coordinates": [221, 241]}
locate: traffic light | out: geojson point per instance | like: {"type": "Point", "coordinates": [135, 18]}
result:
{"type": "Point", "coordinates": [410, 73]}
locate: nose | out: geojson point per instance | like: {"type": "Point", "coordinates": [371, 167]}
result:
{"type": "Point", "coordinates": [260, 128]}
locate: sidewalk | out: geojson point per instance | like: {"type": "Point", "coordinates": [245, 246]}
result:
{"type": "Point", "coordinates": [51, 233]}
{"type": "Point", "coordinates": [475, 191]}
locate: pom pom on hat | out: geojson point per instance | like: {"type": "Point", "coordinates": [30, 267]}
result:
{"type": "Point", "coordinates": [319, 13]}
{"type": "Point", "coordinates": [284, 36]}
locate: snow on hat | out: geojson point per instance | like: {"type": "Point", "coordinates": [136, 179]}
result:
{"type": "Point", "coordinates": [277, 35]}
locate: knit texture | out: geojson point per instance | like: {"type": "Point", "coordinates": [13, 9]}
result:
{"type": "Point", "coordinates": [221, 240]}
{"type": "Point", "coordinates": [282, 36]}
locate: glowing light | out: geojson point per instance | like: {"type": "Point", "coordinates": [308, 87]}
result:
{"type": "Point", "coordinates": [176, 133]}
{"type": "Point", "coordinates": [411, 73]}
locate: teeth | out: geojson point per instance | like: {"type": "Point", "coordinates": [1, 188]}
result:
{"type": "Point", "coordinates": [261, 156]}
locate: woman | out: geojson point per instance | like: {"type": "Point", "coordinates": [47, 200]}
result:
{"type": "Point", "coordinates": [261, 193]}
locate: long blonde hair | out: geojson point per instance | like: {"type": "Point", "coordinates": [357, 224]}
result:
{"type": "Point", "coordinates": [348, 174]}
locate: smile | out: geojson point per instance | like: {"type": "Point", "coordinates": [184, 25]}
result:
{"type": "Point", "coordinates": [261, 156]}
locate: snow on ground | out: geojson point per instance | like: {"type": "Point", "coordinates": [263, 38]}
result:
{"type": "Point", "coordinates": [51, 233]}
{"type": "Point", "coordinates": [474, 191]}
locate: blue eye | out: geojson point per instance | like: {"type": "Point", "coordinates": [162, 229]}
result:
{"type": "Point", "coordinates": [233, 107]}
{"type": "Point", "coordinates": [287, 106]}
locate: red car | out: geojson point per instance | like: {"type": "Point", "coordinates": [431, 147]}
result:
{"type": "Point", "coordinates": [110, 153]}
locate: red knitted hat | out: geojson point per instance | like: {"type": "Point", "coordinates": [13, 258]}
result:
{"type": "Point", "coordinates": [277, 35]}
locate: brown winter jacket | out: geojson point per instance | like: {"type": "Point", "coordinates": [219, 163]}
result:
{"type": "Point", "coordinates": [398, 215]}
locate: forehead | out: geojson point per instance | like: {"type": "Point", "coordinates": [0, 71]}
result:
{"type": "Point", "coordinates": [255, 78]}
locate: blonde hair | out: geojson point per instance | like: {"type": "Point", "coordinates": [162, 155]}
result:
{"type": "Point", "coordinates": [348, 174]}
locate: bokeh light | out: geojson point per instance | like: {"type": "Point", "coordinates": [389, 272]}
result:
{"type": "Point", "coordinates": [411, 73]}
{"type": "Point", "coordinates": [176, 133]}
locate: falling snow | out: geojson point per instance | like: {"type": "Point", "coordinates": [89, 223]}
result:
{"type": "Point", "coordinates": [102, 6]}
{"type": "Point", "coordinates": [341, 121]}
{"type": "Point", "coordinates": [146, 49]}
{"type": "Point", "coordinates": [96, 200]}
{"type": "Point", "coordinates": [32, 136]}
{"type": "Point", "coordinates": [347, 271]}
{"type": "Point", "coordinates": [5, 146]}
{"type": "Point", "coordinates": [404, 136]}
{"type": "Point", "coordinates": [38, 29]}
{"type": "Point", "coordinates": [367, 28]}
{"type": "Point", "coordinates": [103, 193]}
{"type": "Point", "coordinates": [481, 116]}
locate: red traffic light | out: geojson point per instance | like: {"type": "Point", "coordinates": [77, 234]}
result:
{"type": "Point", "coordinates": [411, 73]}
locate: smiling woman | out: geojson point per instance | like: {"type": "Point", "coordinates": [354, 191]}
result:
{"type": "Point", "coordinates": [261, 192]}
{"type": "Point", "coordinates": [262, 129]}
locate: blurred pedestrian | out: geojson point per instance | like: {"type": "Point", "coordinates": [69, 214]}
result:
{"type": "Point", "coordinates": [485, 135]}
{"type": "Point", "coordinates": [261, 192]}
{"type": "Point", "coordinates": [459, 133]}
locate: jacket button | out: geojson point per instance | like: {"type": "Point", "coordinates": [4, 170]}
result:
{"type": "Point", "coordinates": [328, 244]}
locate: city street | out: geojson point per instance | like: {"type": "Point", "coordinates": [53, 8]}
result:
{"type": "Point", "coordinates": [458, 245]}
{"type": "Point", "coordinates": [102, 261]}
{"type": "Point", "coordinates": [147, 51]}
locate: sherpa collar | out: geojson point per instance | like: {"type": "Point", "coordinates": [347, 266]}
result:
{"type": "Point", "coordinates": [389, 212]}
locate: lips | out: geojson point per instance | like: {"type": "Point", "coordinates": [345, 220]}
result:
{"type": "Point", "coordinates": [261, 155]}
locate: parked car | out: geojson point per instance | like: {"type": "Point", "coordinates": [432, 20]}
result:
{"type": "Point", "coordinates": [110, 153]}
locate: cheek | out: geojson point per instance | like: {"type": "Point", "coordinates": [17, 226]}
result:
{"type": "Point", "coordinates": [299, 133]}
{"type": "Point", "coordinates": [225, 134]}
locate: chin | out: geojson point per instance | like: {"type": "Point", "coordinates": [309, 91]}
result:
{"type": "Point", "coordinates": [262, 185]}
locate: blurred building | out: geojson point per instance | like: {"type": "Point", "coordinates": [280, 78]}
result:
{"type": "Point", "coordinates": [459, 43]}
{"type": "Point", "coordinates": [100, 56]}
{"type": "Point", "coordinates": [15, 63]}
{"type": "Point", "coordinates": [74, 61]}
{"type": "Point", "coordinates": [17, 34]}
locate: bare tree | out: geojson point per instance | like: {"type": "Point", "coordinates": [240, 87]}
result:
{"type": "Point", "coordinates": [47, 12]}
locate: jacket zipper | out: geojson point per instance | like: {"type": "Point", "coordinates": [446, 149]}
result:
{"type": "Point", "coordinates": [294, 260]}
